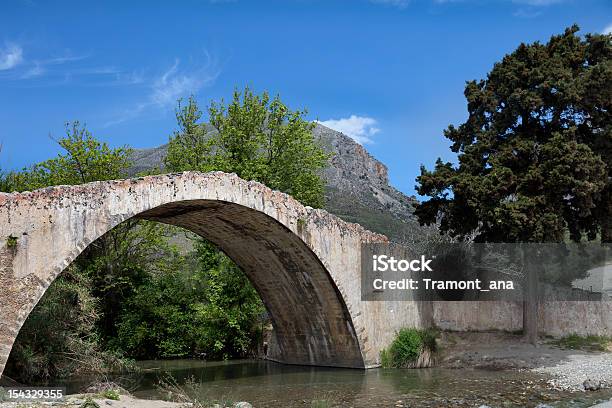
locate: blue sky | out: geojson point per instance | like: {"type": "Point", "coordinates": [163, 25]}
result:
{"type": "Point", "coordinates": [390, 73]}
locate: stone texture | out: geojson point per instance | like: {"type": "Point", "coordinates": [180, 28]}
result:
{"type": "Point", "coordinates": [305, 263]}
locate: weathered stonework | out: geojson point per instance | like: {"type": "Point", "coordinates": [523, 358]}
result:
{"type": "Point", "coordinates": [304, 263]}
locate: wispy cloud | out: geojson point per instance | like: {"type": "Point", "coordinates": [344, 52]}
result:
{"type": "Point", "coordinates": [359, 128]}
{"type": "Point", "coordinates": [401, 4]}
{"type": "Point", "coordinates": [10, 56]}
{"type": "Point", "coordinates": [174, 84]}
{"type": "Point", "coordinates": [169, 86]}
{"type": "Point", "coordinates": [608, 29]}
{"type": "Point", "coordinates": [60, 70]}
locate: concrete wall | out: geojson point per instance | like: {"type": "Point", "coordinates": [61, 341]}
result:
{"type": "Point", "coordinates": [556, 318]}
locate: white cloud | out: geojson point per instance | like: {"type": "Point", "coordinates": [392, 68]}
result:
{"type": "Point", "coordinates": [360, 128]}
{"type": "Point", "coordinates": [394, 3]}
{"type": "Point", "coordinates": [608, 29]}
{"type": "Point", "coordinates": [10, 56]}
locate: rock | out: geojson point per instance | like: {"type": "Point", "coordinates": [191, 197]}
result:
{"type": "Point", "coordinates": [243, 404]}
{"type": "Point", "coordinates": [590, 385]}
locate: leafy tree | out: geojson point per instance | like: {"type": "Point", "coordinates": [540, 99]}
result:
{"type": "Point", "coordinates": [198, 306]}
{"type": "Point", "coordinates": [256, 137]}
{"type": "Point", "coordinates": [86, 160]}
{"type": "Point", "coordinates": [109, 268]}
{"type": "Point", "coordinates": [120, 262]}
{"type": "Point", "coordinates": [261, 139]}
{"type": "Point", "coordinates": [231, 319]}
{"type": "Point", "coordinates": [159, 319]}
{"type": "Point", "coordinates": [59, 337]}
{"type": "Point", "coordinates": [535, 154]}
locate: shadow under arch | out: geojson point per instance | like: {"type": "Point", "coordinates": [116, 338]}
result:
{"type": "Point", "coordinates": [304, 263]}
{"type": "Point", "coordinates": [312, 325]}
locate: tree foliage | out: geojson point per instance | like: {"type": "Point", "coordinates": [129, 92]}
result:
{"type": "Point", "coordinates": [260, 139]}
{"type": "Point", "coordinates": [59, 337]}
{"type": "Point", "coordinates": [535, 154]}
{"type": "Point", "coordinates": [136, 293]}
{"type": "Point", "coordinates": [198, 306]}
{"type": "Point", "coordinates": [256, 137]}
{"type": "Point", "coordinates": [99, 279]}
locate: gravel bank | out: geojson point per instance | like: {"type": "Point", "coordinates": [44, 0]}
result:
{"type": "Point", "coordinates": [581, 372]}
{"type": "Point", "coordinates": [571, 370]}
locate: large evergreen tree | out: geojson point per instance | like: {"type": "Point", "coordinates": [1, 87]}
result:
{"type": "Point", "coordinates": [535, 154]}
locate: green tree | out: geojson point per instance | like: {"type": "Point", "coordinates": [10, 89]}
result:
{"type": "Point", "coordinates": [110, 267]}
{"type": "Point", "coordinates": [256, 137]}
{"type": "Point", "coordinates": [198, 305]}
{"type": "Point", "coordinates": [535, 154]}
{"type": "Point", "coordinates": [85, 160]}
{"type": "Point", "coordinates": [260, 139]}
{"type": "Point", "coordinates": [231, 319]}
{"type": "Point", "coordinates": [59, 338]}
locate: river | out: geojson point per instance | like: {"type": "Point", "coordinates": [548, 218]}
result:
{"type": "Point", "coordinates": [268, 384]}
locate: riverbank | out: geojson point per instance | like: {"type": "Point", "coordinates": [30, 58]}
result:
{"type": "Point", "coordinates": [124, 401]}
{"type": "Point", "coordinates": [473, 369]}
{"type": "Point", "coordinates": [81, 400]}
{"type": "Point", "coordinates": [563, 369]}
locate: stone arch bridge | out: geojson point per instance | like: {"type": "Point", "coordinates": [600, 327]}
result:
{"type": "Point", "coordinates": [304, 263]}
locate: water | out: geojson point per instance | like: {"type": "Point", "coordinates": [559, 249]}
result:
{"type": "Point", "coordinates": [268, 384]}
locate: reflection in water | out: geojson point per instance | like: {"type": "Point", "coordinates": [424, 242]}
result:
{"type": "Point", "coordinates": [268, 384]}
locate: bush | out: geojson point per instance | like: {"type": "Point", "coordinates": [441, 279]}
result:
{"type": "Point", "coordinates": [111, 395]}
{"type": "Point", "coordinates": [411, 348]}
{"type": "Point", "coordinates": [59, 338]}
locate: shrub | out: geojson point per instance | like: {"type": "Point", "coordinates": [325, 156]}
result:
{"type": "Point", "coordinates": [59, 338]}
{"type": "Point", "coordinates": [111, 395]}
{"type": "Point", "coordinates": [411, 348]}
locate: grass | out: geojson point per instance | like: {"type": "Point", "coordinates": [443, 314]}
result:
{"type": "Point", "coordinates": [587, 343]}
{"type": "Point", "coordinates": [409, 348]}
{"type": "Point", "coordinates": [11, 241]}
{"type": "Point", "coordinates": [89, 403]}
{"type": "Point", "coordinates": [111, 395]}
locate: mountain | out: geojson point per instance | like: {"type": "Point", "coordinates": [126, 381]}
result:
{"type": "Point", "coordinates": [357, 186]}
